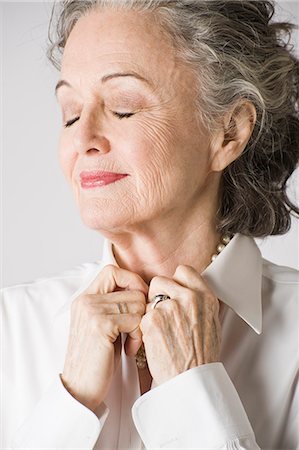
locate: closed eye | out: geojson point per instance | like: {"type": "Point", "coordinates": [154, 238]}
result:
{"type": "Point", "coordinates": [122, 115]}
{"type": "Point", "coordinates": [119, 115]}
{"type": "Point", "coordinates": [70, 122]}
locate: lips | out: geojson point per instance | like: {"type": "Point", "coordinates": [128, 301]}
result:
{"type": "Point", "coordinates": [92, 179]}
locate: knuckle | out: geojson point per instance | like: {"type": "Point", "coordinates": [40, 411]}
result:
{"type": "Point", "coordinates": [83, 299]}
{"type": "Point", "coordinates": [84, 306]}
{"type": "Point", "coordinates": [77, 303]}
{"type": "Point", "coordinates": [106, 327]}
{"type": "Point", "coordinates": [167, 305]}
{"type": "Point", "coordinates": [138, 308]}
{"type": "Point", "coordinates": [135, 321]}
{"type": "Point", "coordinates": [193, 297]}
{"type": "Point", "coordinates": [137, 317]}
{"type": "Point", "coordinates": [151, 322]}
{"type": "Point", "coordinates": [112, 329]}
{"type": "Point", "coordinates": [153, 317]}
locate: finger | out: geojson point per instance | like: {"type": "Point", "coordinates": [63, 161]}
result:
{"type": "Point", "coordinates": [166, 286]}
{"type": "Point", "coordinates": [110, 326]}
{"type": "Point", "coordinates": [189, 277]}
{"type": "Point", "coordinates": [112, 277]}
{"type": "Point", "coordinates": [132, 302]}
{"type": "Point", "coordinates": [132, 343]}
{"type": "Point", "coordinates": [109, 308]}
{"type": "Point", "coordinates": [117, 302]}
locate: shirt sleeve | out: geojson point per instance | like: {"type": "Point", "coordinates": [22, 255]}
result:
{"type": "Point", "coordinates": [61, 422]}
{"type": "Point", "coordinates": [197, 409]}
{"type": "Point", "coordinates": [290, 432]}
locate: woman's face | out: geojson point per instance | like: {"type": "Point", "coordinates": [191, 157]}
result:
{"type": "Point", "coordinates": [159, 145]}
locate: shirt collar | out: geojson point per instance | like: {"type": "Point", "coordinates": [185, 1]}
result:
{"type": "Point", "coordinates": [235, 277]}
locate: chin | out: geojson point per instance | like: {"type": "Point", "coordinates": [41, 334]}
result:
{"type": "Point", "coordinates": [103, 217]}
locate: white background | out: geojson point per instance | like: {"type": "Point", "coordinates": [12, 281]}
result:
{"type": "Point", "coordinates": [42, 232]}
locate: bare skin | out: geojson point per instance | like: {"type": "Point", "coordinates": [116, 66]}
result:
{"type": "Point", "coordinates": [93, 352]}
{"type": "Point", "coordinates": [160, 217]}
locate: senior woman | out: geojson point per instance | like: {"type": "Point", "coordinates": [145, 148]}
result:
{"type": "Point", "coordinates": [180, 133]}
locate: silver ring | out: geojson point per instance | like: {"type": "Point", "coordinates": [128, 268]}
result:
{"type": "Point", "coordinates": [159, 298]}
{"type": "Point", "coordinates": [123, 308]}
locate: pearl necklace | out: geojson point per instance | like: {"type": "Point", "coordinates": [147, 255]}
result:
{"type": "Point", "coordinates": [141, 356]}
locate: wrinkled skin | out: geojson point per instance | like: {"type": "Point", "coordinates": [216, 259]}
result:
{"type": "Point", "coordinates": [161, 146]}
{"type": "Point", "coordinates": [160, 218]}
{"type": "Point", "coordinates": [183, 332]}
{"type": "Point", "coordinates": [94, 348]}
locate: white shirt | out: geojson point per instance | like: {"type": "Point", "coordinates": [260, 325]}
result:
{"type": "Point", "coordinates": [246, 401]}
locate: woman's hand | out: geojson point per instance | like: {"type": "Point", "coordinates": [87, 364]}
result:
{"type": "Point", "coordinates": [183, 332]}
{"type": "Point", "coordinates": [94, 346]}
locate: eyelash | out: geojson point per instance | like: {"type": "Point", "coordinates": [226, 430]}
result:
{"type": "Point", "coordinates": [119, 115]}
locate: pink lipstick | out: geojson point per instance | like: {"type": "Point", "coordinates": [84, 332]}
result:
{"type": "Point", "coordinates": [94, 179]}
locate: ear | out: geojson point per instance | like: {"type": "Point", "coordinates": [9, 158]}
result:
{"type": "Point", "coordinates": [231, 139]}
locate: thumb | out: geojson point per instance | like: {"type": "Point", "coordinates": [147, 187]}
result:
{"type": "Point", "coordinates": [112, 278]}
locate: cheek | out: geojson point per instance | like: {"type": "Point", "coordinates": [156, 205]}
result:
{"type": "Point", "coordinates": [169, 150]}
{"type": "Point", "coordinates": [154, 154]}
{"type": "Point", "coordinates": [174, 161]}
{"type": "Point", "coordinates": [155, 143]}
{"type": "Point", "coordinates": [66, 158]}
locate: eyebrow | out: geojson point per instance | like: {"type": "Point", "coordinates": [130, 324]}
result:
{"type": "Point", "coordinates": [106, 78]}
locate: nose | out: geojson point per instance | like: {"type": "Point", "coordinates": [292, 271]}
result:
{"type": "Point", "coordinates": [89, 134]}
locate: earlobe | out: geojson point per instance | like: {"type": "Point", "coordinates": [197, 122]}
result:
{"type": "Point", "coordinates": [231, 139]}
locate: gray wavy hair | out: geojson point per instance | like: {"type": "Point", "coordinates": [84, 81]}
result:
{"type": "Point", "coordinates": [237, 53]}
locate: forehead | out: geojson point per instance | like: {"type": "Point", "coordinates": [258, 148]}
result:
{"type": "Point", "coordinates": [113, 39]}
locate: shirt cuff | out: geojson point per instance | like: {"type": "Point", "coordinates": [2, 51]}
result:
{"type": "Point", "coordinates": [199, 408]}
{"type": "Point", "coordinates": [59, 421]}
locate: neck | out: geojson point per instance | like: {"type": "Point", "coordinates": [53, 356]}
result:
{"type": "Point", "coordinates": [159, 250]}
